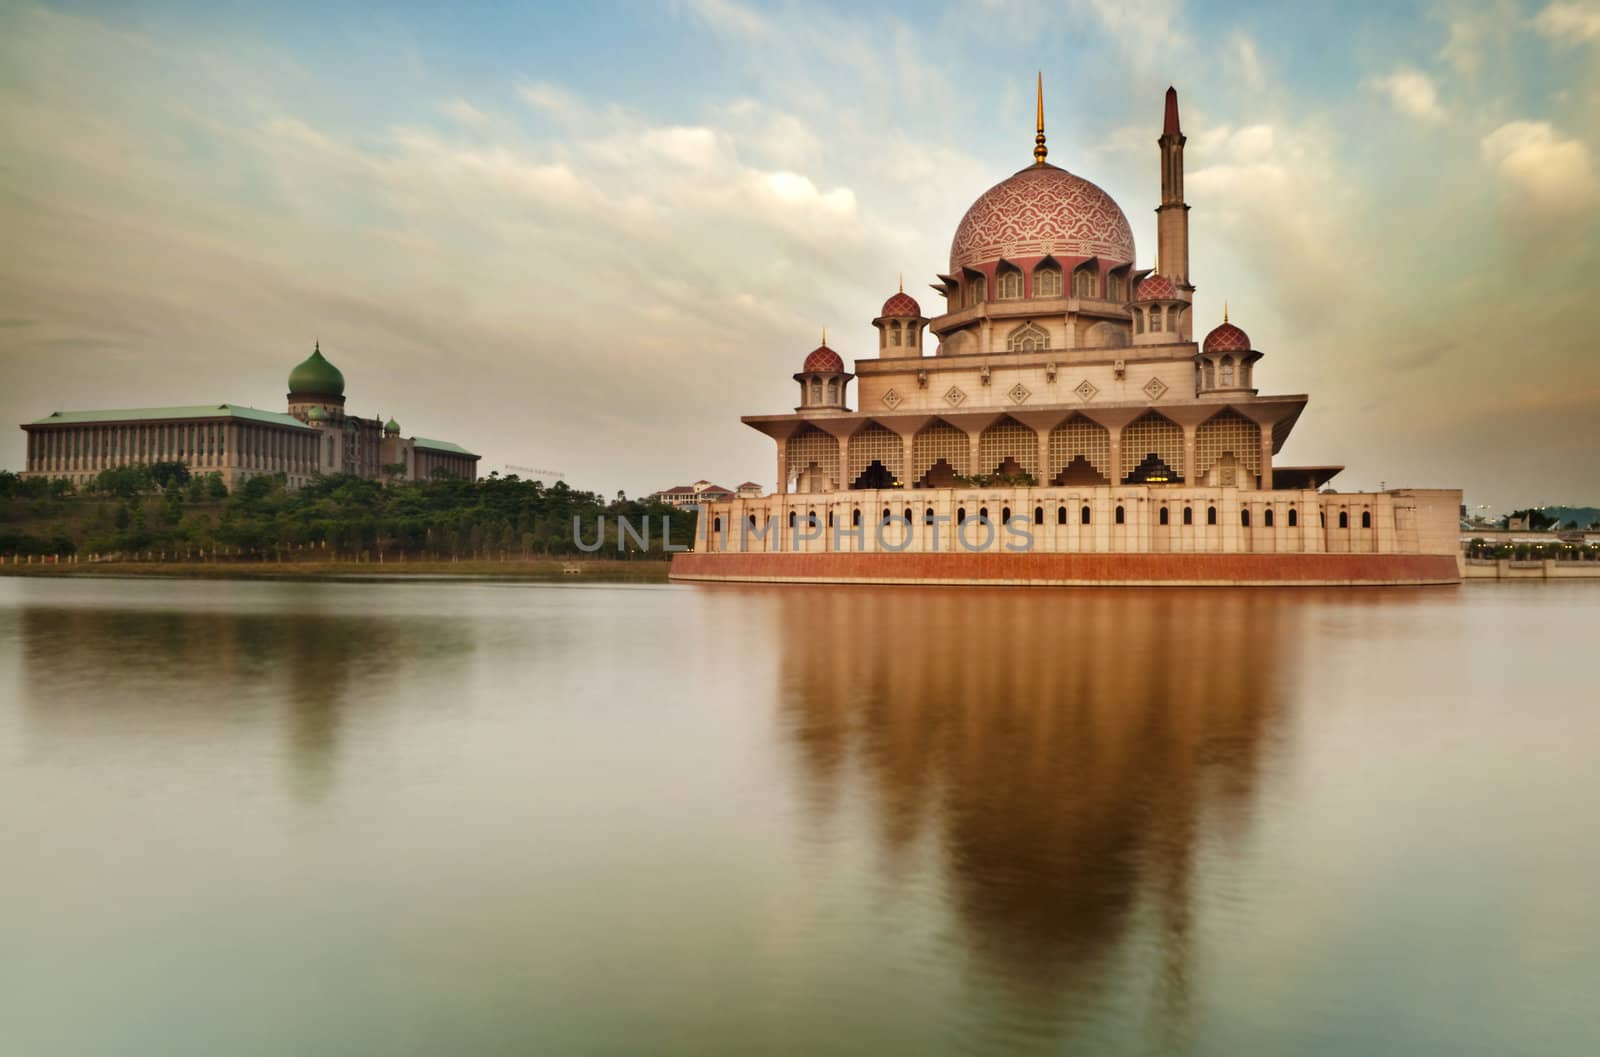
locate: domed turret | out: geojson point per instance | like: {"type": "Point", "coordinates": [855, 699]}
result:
{"type": "Point", "coordinates": [900, 325]}
{"type": "Point", "coordinates": [1225, 361]}
{"type": "Point", "coordinates": [1158, 311]}
{"type": "Point", "coordinates": [1227, 338]}
{"type": "Point", "coordinates": [391, 428]}
{"type": "Point", "coordinates": [316, 379]}
{"type": "Point", "coordinates": [822, 379]}
{"type": "Point", "coordinates": [823, 360]}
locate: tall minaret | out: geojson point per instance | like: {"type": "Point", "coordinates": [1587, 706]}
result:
{"type": "Point", "coordinates": [1172, 216]}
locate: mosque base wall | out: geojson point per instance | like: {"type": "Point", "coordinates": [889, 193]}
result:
{"type": "Point", "coordinates": [1063, 570]}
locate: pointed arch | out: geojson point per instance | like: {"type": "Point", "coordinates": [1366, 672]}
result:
{"type": "Point", "coordinates": [1106, 335]}
{"type": "Point", "coordinates": [974, 288]}
{"type": "Point", "coordinates": [1152, 450]}
{"type": "Point", "coordinates": [1117, 284]}
{"type": "Point", "coordinates": [1226, 433]}
{"type": "Point", "coordinates": [1047, 281]}
{"type": "Point", "coordinates": [1086, 279]}
{"type": "Point", "coordinates": [1029, 337]}
{"type": "Point", "coordinates": [813, 459]}
{"type": "Point", "coordinates": [1007, 282]}
{"type": "Point", "coordinates": [877, 458]}
{"type": "Point", "coordinates": [1008, 442]}
{"type": "Point", "coordinates": [1084, 446]}
{"type": "Point", "coordinates": [939, 442]}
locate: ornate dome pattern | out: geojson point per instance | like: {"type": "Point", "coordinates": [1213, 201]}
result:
{"type": "Point", "coordinates": [1155, 287]}
{"type": "Point", "coordinates": [901, 306]}
{"type": "Point", "coordinates": [1227, 338]}
{"type": "Point", "coordinates": [823, 360]}
{"type": "Point", "coordinates": [1041, 210]}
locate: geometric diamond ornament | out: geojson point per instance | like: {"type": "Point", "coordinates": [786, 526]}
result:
{"type": "Point", "coordinates": [955, 397]}
{"type": "Point", "coordinates": [1154, 388]}
{"type": "Point", "coordinates": [891, 399]}
{"type": "Point", "coordinates": [1086, 391]}
{"type": "Point", "coordinates": [1019, 393]}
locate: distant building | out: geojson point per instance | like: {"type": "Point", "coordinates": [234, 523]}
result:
{"type": "Point", "coordinates": [685, 495]}
{"type": "Point", "coordinates": [750, 490]}
{"type": "Point", "coordinates": [315, 436]}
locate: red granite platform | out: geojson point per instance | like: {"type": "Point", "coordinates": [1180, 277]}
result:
{"type": "Point", "coordinates": [1071, 569]}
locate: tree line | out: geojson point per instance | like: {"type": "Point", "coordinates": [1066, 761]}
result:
{"type": "Point", "coordinates": [163, 509]}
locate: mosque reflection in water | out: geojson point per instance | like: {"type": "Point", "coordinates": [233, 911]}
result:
{"type": "Point", "coordinates": [1072, 753]}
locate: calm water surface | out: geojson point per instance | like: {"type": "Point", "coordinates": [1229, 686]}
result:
{"type": "Point", "coordinates": [400, 818]}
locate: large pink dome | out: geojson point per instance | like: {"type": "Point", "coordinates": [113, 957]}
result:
{"type": "Point", "coordinates": [1042, 210]}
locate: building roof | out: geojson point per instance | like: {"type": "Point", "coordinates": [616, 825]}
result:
{"type": "Point", "coordinates": [1155, 287]}
{"type": "Point", "coordinates": [160, 414]}
{"type": "Point", "coordinates": [1169, 122]}
{"type": "Point", "coordinates": [1227, 338]}
{"type": "Point", "coordinates": [823, 360]}
{"type": "Point", "coordinates": [444, 446]}
{"type": "Point", "coordinates": [901, 306]}
{"type": "Point", "coordinates": [1042, 210]}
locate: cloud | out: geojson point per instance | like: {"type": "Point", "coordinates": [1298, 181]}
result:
{"type": "Point", "coordinates": [1410, 92]}
{"type": "Point", "coordinates": [1246, 58]}
{"type": "Point", "coordinates": [1544, 173]}
{"type": "Point", "coordinates": [1570, 22]}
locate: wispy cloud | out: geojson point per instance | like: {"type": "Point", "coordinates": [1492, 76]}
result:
{"type": "Point", "coordinates": [1411, 92]}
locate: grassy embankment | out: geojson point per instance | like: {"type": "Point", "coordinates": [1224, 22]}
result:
{"type": "Point", "coordinates": [512, 568]}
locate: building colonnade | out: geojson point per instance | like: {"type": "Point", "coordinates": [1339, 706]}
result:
{"type": "Point", "coordinates": [1195, 444]}
{"type": "Point", "coordinates": [236, 449]}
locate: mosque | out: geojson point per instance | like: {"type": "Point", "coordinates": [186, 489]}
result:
{"type": "Point", "coordinates": [1065, 427]}
{"type": "Point", "coordinates": [314, 436]}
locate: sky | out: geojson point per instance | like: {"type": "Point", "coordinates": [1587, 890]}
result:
{"type": "Point", "coordinates": [589, 237]}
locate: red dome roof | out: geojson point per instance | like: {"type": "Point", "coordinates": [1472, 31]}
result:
{"type": "Point", "coordinates": [823, 360]}
{"type": "Point", "coordinates": [901, 306]}
{"type": "Point", "coordinates": [1042, 210]}
{"type": "Point", "coordinates": [1155, 287]}
{"type": "Point", "coordinates": [1227, 338]}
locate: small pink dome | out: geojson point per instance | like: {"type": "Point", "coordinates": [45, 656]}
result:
{"type": "Point", "coordinates": [1155, 287]}
{"type": "Point", "coordinates": [901, 306]}
{"type": "Point", "coordinates": [1227, 338]}
{"type": "Point", "coordinates": [823, 360]}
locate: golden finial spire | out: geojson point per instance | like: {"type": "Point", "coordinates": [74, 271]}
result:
{"type": "Point", "coordinates": [1224, 311]}
{"type": "Point", "coordinates": [902, 282]}
{"type": "Point", "coordinates": [1040, 152]}
{"type": "Point", "coordinates": [824, 335]}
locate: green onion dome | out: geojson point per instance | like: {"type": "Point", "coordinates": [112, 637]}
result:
{"type": "Point", "coordinates": [391, 426]}
{"type": "Point", "coordinates": [315, 376]}
{"type": "Point", "coordinates": [316, 414]}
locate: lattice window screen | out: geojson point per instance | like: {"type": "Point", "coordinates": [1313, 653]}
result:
{"type": "Point", "coordinates": [876, 443]}
{"type": "Point", "coordinates": [1008, 438]}
{"type": "Point", "coordinates": [1079, 436]}
{"type": "Point", "coordinates": [811, 445]}
{"type": "Point", "coordinates": [1227, 431]}
{"type": "Point", "coordinates": [940, 440]}
{"type": "Point", "coordinates": [1151, 433]}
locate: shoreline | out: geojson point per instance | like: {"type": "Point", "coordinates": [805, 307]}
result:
{"type": "Point", "coordinates": [553, 569]}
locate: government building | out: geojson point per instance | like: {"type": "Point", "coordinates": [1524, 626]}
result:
{"type": "Point", "coordinates": [314, 436]}
{"type": "Point", "coordinates": [1059, 407]}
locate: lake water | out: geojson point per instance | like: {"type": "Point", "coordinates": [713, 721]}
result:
{"type": "Point", "coordinates": [439, 818]}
